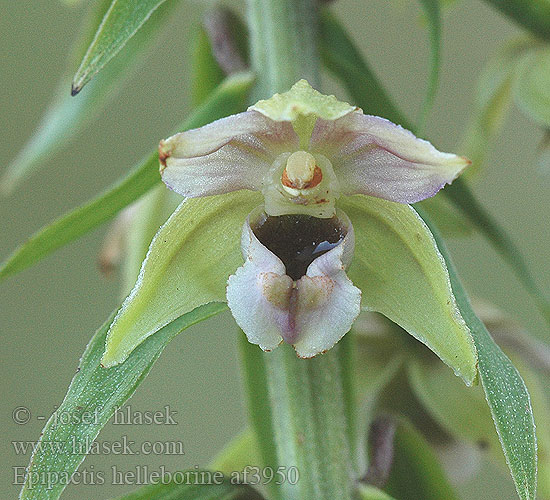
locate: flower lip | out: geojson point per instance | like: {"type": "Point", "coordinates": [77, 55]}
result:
{"type": "Point", "coordinates": [311, 312]}
{"type": "Point", "coordinates": [298, 239]}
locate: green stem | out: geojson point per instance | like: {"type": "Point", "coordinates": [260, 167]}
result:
{"type": "Point", "coordinates": [301, 410]}
{"type": "Point", "coordinates": [283, 38]}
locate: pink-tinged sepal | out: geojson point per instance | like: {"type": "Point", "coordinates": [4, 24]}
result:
{"type": "Point", "coordinates": [312, 312]}
{"type": "Point", "coordinates": [373, 156]}
{"type": "Point", "coordinates": [227, 155]}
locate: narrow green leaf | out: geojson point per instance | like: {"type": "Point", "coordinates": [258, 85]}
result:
{"type": "Point", "coordinates": [537, 384]}
{"type": "Point", "coordinates": [416, 473]}
{"type": "Point", "coordinates": [463, 198]}
{"type": "Point", "coordinates": [431, 9]}
{"type": "Point", "coordinates": [533, 15]}
{"type": "Point", "coordinates": [66, 116]}
{"type": "Point", "coordinates": [221, 489]}
{"type": "Point", "coordinates": [83, 219]}
{"type": "Point", "coordinates": [188, 264]}
{"type": "Point", "coordinates": [227, 99]}
{"type": "Point", "coordinates": [122, 20]}
{"type": "Point", "coordinates": [368, 492]}
{"type": "Point", "coordinates": [402, 275]}
{"type": "Point", "coordinates": [342, 57]}
{"type": "Point", "coordinates": [505, 392]}
{"type": "Point", "coordinates": [206, 72]}
{"type": "Point", "coordinates": [532, 85]}
{"type": "Point", "coordinates": [339, 55]}
{"type": "Point", "coordinates": [98, 392]}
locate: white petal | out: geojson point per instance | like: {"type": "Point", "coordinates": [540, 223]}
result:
{"type": "Point", "coordinates": [258, 293]}
{"type": "Point", "coordinates": [227, 155]}
{"type": "Point", "coordinates": [328, 303]}
{"type": "Point", "coordinates": [373, 156]}
{"type": "Point", "coordinates": [312, 313]}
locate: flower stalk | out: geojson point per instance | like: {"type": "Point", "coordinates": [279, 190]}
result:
{"type": "Point", "coordinates": [305, 403]}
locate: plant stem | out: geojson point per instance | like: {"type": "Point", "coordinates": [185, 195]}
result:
{"type": "Point", "coordinates": [283, 37]}
{"type": "Point", "coordinates": [300, 409]}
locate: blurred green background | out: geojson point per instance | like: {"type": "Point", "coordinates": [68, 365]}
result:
{"type": "Point", "coordinates": [49, 312]}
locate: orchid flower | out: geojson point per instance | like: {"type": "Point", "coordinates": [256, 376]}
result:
{"type": "Point", "coordinates": [317, 193]}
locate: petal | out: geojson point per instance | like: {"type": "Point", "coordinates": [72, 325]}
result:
{"type": "Point", "coordinates": [327, 304]}
{"type": "Point", "coordinates": [226, 155]}
{"type": "Point", "coordinates": [187, 265]}
{"type": "Point", "coordinates": [312, 313]}
{"type": "Point", "coordinates": [373, 156]}
{"type": "Point", "coordinates": [258, 294]}
{"type": "Point", "coordinates": [402, 275]}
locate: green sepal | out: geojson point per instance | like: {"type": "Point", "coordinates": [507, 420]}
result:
{"type": "Point", "coordinates": [188, 264]}
{"type": "Point", "coordinates": [401, 273]}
